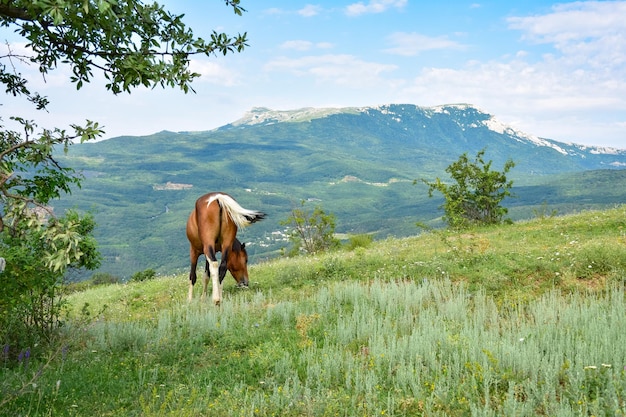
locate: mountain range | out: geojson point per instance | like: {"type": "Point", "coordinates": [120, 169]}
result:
{"type": "Point", "coordinates": [356, 163]}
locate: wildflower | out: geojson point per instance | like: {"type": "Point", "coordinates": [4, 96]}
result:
{"type": "Point", "coordinates": [606, 365]}
{"type": "Point", "coordinates": [590, 367]}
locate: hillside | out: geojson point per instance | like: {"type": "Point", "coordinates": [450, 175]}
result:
{"type": "Point", "coordinates": [527, 319]}
{"type": "Point", "coordinates": [358, 163]}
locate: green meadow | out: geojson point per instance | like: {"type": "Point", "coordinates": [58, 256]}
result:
{"type": "Point", "coordinates": [527, 319]}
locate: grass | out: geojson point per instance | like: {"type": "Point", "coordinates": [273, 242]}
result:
{"type": "Point", "coordinates": [527, 319]}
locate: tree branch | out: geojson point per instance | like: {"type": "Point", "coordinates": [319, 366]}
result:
{"type": "Point", "coordinates": [15, 12]}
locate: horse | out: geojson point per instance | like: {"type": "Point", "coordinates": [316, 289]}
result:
{"type": "Point", "coordinates": [211, 228]}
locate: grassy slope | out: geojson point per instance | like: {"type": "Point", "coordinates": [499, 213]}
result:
{"type": "Point", "coordinates": [439, 324]}
{"type": "Point", "coordinates": [525, 259]}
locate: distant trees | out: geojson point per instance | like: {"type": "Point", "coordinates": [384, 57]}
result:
{"type": "Point", "coordinates": [311, 231]}
{"type": "Point", "coordinates": [476, 194]}
{"type": "Point", "coordinates": [132, 44]}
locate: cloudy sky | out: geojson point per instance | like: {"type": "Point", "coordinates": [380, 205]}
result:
{"type": "Point", "coordinates": [555, 70]}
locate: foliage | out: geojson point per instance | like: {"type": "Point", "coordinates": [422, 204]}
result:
{"type": "Point", "coordinates": [477, 192]}
{"type": "Point", "coordinates": [30, 294]}
{"type": "Point", "coordinates": [311, 232]}
{"type": "Point", "coordinates": [143, 275]}
{"type": "Point", "coordinates": [132, 44]}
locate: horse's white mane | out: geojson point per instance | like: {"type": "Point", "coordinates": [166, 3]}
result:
{"type": "Point", "coordinates": [241, 216]}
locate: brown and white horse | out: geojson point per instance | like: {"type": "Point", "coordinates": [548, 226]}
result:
{"type": "Point", "coordinates": [211, 228]}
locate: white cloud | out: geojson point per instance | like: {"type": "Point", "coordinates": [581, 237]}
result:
{"type": "Point", "coordinates": [574, 22]}
{"type": "Point", "coordinates": [297, 45]}
{"type": "Point", "coordinates": [324, 45]}
{"type": "Point", "coordinates": [273, 11]}
{"type": "Point", "coordinates": [214, 73]}
{"type": "Point", "coordinates": [553, 103]}
{"type": "Point", "coordinates": [586, 34]}
{"type": "Point", "coordinates": [410, 44]}
{"type": "Point", "coordinates": [345, 70]}
{"type": "Point", "coordinates": [310, 10]}
{"type": "Point", "coordinates": [374, 6]}
{"type": "Point", "coordinates": [302, 45]}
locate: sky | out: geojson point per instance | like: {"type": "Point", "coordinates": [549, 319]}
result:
{"type": "Point", "coordinates": [556, 70]}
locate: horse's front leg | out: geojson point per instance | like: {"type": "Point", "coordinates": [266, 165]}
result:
{"type": "Point", "coordinates": [224, 265]}
{"type": "Point", "coordinates": [212, 271]}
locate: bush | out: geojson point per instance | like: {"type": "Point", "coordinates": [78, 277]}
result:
{"type": "Point", "coordinates": [476, 195]}
{"type": "Point", "coordinates": [311, 232]}
{"type": "Point", "coordinates": [143, 275]}
{"type": "Point", "coordinates": [31, 296]}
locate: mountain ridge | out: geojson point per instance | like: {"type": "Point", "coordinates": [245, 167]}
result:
{"type": "Point", "coordinates": [266, 116]}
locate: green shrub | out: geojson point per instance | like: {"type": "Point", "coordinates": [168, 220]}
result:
{"type": "Point", "coordinates": [143, 275]}
{"type": "Point", "coordinates": [311, 232]}
{"type": "Point", "coordinates": [476, 193]}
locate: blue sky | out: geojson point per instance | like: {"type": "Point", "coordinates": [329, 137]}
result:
{"type": "Point", "coordinates": [555, 70]}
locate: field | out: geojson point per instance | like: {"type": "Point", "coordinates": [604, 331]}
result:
{"type": "Point", "coordinates": [527, 319]}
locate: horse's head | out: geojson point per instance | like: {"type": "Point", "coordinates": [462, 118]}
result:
{"type": "Point", "coordinates": [238, 263]}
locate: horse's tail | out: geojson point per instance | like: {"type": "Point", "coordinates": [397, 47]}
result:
{"type": "Point", "coordinates": [241, 216]}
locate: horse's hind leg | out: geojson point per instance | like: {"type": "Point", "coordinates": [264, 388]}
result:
{"type": "Point", "coordinates": [205, 280]}
{"type": "Point", "coordinates": [192, 273]}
